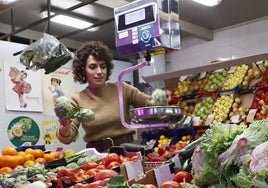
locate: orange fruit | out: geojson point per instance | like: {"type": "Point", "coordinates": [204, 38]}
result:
{"type": "Point", "coordinates": [9, 161]}
{"type": "Point", "coordinates": [37, 153]}
{"type": "Point", "coordinates": [22, 153]}
{"type": "Point", "coordinates": [29, 150]}
{"type": "Point", "coordinates": [40, 160]}
{"type": "Point", "coordinates": [48, 157]}
{"type": "Point", "coordinates": [9, 151]}
{"type": "Point", "coordinates": [6, 170]}
{"type": "Point", "coordinates": [55, 154]}
{"type": "Point", "coordinates": [28, 156]}
{"type": "Point", "coordinates": [29, 163]}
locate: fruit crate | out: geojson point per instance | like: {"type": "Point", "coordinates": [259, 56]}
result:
{"type": "Point", "coordinates": [260, 102]}
{"type": "Point", "coordinates": [221, 108]}
{"type": "Point", "coordinates": [215, 80]}
{"type": "Point", "coordinates": [235, 77]}
{"type": "Point", "coordinates": [198, 83]}
{"type": "Point", "coordinates": [203, 107]}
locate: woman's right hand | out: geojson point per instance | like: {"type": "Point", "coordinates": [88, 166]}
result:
{"type": "Point", "coordinates": [64, 121]}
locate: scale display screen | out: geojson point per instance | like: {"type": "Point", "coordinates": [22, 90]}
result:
{"type": "Point", "coordinates": [135, 18]}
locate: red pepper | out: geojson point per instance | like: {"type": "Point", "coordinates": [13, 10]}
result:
{"type": "Point", "coordinates": [153, 157]}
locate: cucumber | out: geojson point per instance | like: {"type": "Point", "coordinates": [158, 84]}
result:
{"type": "Point", "coordinates": [188, 150]}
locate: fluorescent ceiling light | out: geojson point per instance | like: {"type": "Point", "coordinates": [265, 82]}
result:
{"type": "Point", "coordinates": [209, 3]}
{"type": "Point", "coordinates": [7, 1]}
{"type": "Point", "coordinates": [68, 20]}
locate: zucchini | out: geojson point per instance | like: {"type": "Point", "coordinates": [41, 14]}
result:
{"type": "Point", "coordinates": [188, 150]}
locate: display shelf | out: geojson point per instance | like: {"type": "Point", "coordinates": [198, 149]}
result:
{"type": "Point", "coordinates": [171, 78]}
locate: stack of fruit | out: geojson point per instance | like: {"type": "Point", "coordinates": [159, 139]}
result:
{"type": "Point", "coordinates": [187, 107]}
{"type": "Point", "coordinates": [182, 88]}
{"type": "Point", "coordinates": [203, 108]}
{"type": "Point", "coordinates": [10, 158]}
{"type": "Point", "coordinates": [253, 73]}
{"type": "Point", "coordinates": [235, 79]}
{"type": "Point", "coordinates": [216, 80]}
{"type": "Point", "coordinates": [221, 108]}
{"type": "Point", "coordinates": [238, 110]}
{"type": "Point", "coordinates": [198, 83]}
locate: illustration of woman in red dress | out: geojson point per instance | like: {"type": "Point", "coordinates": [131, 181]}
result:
{"type": "Point", "coordinates": [21, 86]}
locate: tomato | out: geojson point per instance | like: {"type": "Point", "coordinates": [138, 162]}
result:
{"type": "Point", "coordinates": [91, 172]}
{"type": "Point", "coordinates": [89, 165]}
{"type": "Point", "coordinates": [182, 176]}
{"type": "Point", "coordinates": [113, 164]}
{"type": "Point", "coordinates": [110, 158]}
{"type": "Point", "coordinates": [104, 173]}
{"type": "Point", "coordinates": [170, 184]}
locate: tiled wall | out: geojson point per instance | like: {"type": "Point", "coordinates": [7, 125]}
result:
{"type": "Point", "coordinates": [240, 41]}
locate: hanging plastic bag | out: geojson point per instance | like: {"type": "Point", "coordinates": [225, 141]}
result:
{"type": "Point", "coordinates": [45, 53]}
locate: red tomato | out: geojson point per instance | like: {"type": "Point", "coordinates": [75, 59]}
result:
{"type": "Point", "coordinates": [91, 172]}
{"type": "Point", "coordinates": [113, 164]}
{"type": "Point", "coordinates": [89, 165]}
{"type": "Point", "coordinates": [100, 166]}
{"type": "Point", "coordinates": [105, 173]}
{"type": "Point", "coordinates": [170, 184]}
{"type": "Point", "coordinates": [110, 158]}
{"type": "Point", "coordinates": [182, 176]}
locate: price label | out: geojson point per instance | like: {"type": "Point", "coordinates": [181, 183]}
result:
{"type": "Point", "coordinates": [232, 69]}
{"type": "Point", "coordinates": [182, 78]}
{"type": "Point", "coordinates": [235, 118]}
{"type": "Point", "coordinates": [209, 119]}
{"type": "Point", "coordinates": [251, 115]}
{"type": "Point", "coordinates": [187, 120]}
{"type": "Point", "coordinates": [202, 75]}
{"type": "Point", "coordinates": [196, 121]}
{"type": "Point", "coordinates": [259, 62]}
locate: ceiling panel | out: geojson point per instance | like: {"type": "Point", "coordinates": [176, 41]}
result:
{"type": "Point", "coordinates": [228, 13]}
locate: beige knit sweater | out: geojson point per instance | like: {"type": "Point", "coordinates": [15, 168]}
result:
{"type": "Point", "coordinates": [105, 104]}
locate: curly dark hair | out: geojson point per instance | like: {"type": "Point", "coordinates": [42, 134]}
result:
{"type": "Point", "coordinates": [99, 51]}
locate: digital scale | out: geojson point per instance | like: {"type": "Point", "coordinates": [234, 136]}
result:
{"type": "Point", "coordinates": [144, 27]}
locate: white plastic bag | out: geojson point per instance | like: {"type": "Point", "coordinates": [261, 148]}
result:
{"type": "Point", "coordinates": [46, 53]}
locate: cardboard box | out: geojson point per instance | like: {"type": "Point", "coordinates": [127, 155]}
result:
{"type": "Point", "coordinates": [155, 176]}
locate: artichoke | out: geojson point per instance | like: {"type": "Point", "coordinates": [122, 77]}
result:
{"type": "Point", "coordinates": [159, 98]}
{"type": "Point", "coordinates": [65, 109]}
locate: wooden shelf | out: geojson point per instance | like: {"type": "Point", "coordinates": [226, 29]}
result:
{"type": "Point", "coordinates": [171, 78]}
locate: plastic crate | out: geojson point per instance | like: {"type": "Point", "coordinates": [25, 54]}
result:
{"type": "Point", "coordinates": [178, 133]}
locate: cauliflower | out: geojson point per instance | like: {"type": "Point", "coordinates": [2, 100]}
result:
{"type": "Point", "coordinates": [159, 98]}
{"type": "Point", "coordinates": [65, 109]}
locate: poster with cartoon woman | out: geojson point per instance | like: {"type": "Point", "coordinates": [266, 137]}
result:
{"type": "Point", "coordinates": [22, 88]}
{"type": "Point", "coordinates": [56, 84]}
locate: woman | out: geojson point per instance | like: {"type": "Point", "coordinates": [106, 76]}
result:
{"type": "Point", "coordinates": [93, 65]}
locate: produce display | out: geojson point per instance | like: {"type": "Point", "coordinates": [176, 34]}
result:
{"type": "Point", "coordinates": [216, 80]}
{"type": "Point", "coordinates": [227, 156]}
{"type": "Point", "coordinates": [203, 108]}
{"type": "Point", "coordinates": [235, 79]}
{"type": "Point", "coordinates": [221, 108]}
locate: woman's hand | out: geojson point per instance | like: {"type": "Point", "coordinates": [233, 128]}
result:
{"type": "Point", "coordinates": [64, 121]}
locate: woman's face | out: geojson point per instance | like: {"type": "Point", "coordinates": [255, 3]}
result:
{"type": "Point", "coordinates": [96, 72]}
